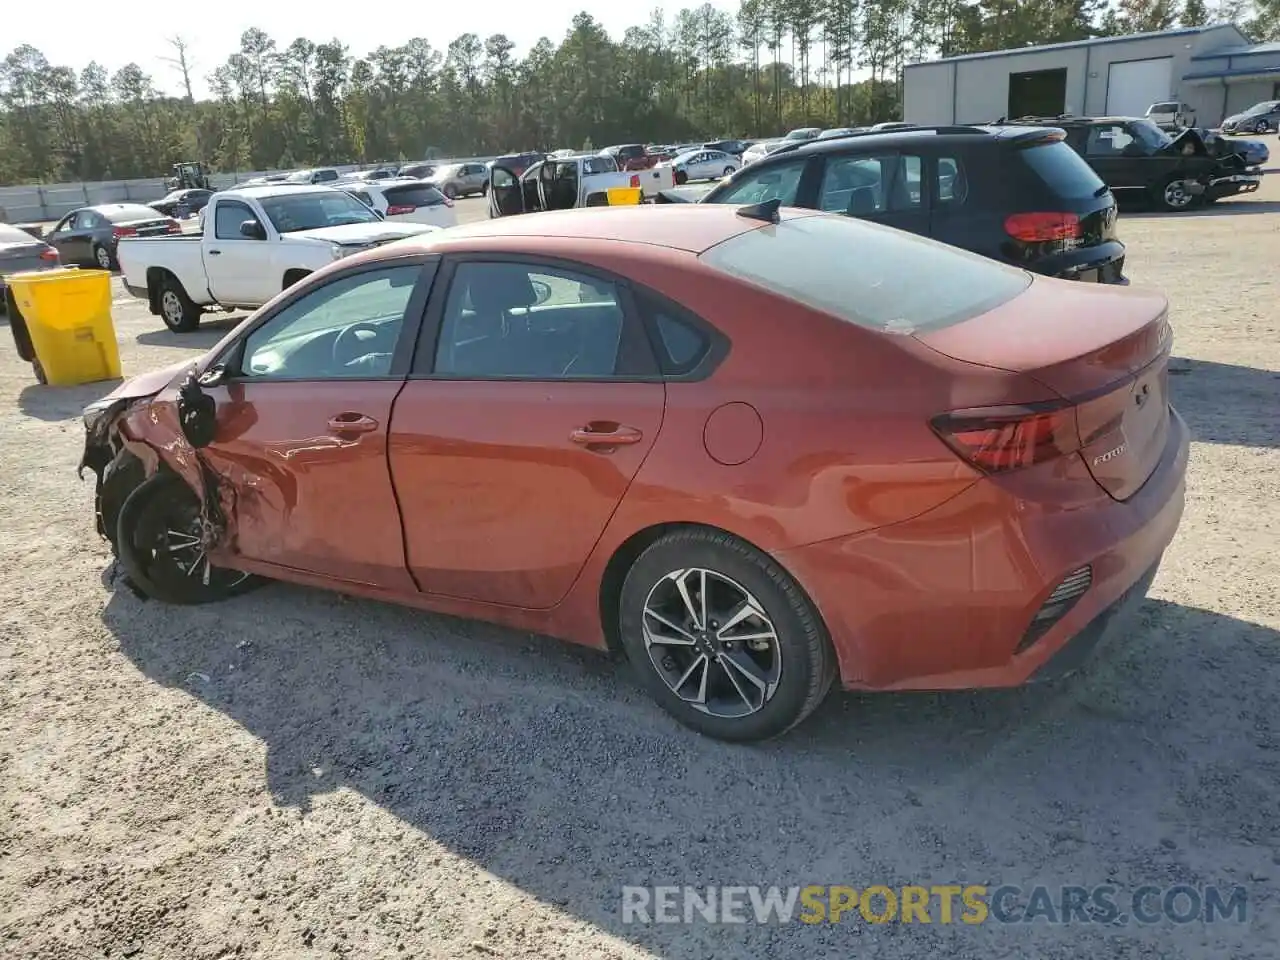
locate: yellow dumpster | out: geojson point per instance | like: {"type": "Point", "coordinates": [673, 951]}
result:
{"type": "Point", "coordinates": [624, 196]}
{"type": "Point", "coordinates": [64, 317]}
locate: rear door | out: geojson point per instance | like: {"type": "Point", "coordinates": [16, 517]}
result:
{"type": "Point", "coordinates": [506, 196]}
{"type": "Point", "coordinates": [532, 404]}
{"type": "Point", "coordinates": [885, 187]}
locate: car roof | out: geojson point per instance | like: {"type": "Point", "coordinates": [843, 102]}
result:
{"type": "Point", "coordinates": [689, 227]}
{"type": "Point", "coordinates": [108, 208]}
{"type": "Point", "coordinates": [880, 138]}
{"type": "Point", "coordinates": [278, 189]}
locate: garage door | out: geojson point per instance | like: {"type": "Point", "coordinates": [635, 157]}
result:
{"type": "Point", "coordinates": [1137, 84]}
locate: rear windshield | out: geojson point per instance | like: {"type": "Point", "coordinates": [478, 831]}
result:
{"type": "Point", "coordinates": [873, 276]}
{"type": "Point", "coordinates": [1063, 171]}
{"type": "Point", "coordinates": [420, 195]}
{"type": "Point", "coordinates": [1163, 108]}
{"type": "Point", "coordinates": [126, 213]}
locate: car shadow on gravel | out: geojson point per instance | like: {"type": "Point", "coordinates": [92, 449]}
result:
{"type": "Point", "coordinates": [205, 336]}
{"type": "Point", "coordinates": [1225, 403]}
{"type": "Point", "coordinates": [545, 765]}
{"type": "Point", "coordinates": [1223, 208]}
{"type": "Point", "coordinates": [61, 403]}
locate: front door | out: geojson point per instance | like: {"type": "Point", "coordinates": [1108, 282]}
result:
{"type": "Point", "coordinates": [506, 196]}
{"type": "Point", "coordinates": [72, 237]}
{"type": "Point", "coordinates": [234, 263]}
{"type": "Point", "coordinates": [520, 431]}
{"type": "Point", "coordinates": [302, 430]}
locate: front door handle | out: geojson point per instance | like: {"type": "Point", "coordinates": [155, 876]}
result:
{"type": "Point", "coordinates": [215, 253]}
{"type": "Point", "coordinates": [605, 435]}
{"type": "Point", "coordinates": [352, 423]}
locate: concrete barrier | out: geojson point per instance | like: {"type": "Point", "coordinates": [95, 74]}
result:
{"type": "Point", "coordinates": [41, 203]}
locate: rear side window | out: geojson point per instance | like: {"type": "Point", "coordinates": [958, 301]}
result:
{"type": "Point", "coordinates": [418, 195]}
{"type": "Point", "coordinates": [1063, 171]}
{"type": "Point", "coordinates": [781, 181]}
{"type": "Point", "coordinates": [681, 344]}
{"type": "Point", "coordinates": [953, 182]}
{"type": "Point", "coordinates": [862, 186]}
{"type": "Point", "coordinates": [869, 275]}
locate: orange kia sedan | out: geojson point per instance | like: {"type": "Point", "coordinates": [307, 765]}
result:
{"type": "Point", "coordinates": [752, 450]}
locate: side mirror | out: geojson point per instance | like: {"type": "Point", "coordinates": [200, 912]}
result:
{"type": "Point", "coordinates": [252, 230]}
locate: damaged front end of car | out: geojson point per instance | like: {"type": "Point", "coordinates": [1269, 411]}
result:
{"type": "Point", "coordinates": [132, 435]}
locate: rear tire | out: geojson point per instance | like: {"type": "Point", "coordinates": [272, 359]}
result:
{"type": "Point", "coordinates": [158, 538]}
{"type": "Point", "coordinates": [755, 615]}
{"type": "Point", "coordinates": [177, 310]}
{"type": "Point", "coordinates": [104, 259]}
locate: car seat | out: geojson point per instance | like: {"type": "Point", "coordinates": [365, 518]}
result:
{"type": "Point", "coordinates": [862, 202]}
{"type": "Point", "coordinates": [482, 341]}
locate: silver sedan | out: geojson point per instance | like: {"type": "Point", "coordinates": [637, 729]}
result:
{"type": "Point", "coordinates": [704, 165]}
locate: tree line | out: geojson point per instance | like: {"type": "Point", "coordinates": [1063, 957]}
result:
{"type": "Point", "coordinates": [703, 73]}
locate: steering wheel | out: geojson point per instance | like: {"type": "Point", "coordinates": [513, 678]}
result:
{"type": "Point", "coordinates": [349, 335]}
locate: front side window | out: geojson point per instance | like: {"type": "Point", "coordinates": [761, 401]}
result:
{"type": "Point", "coordinates": [226, 222]}
{"type": "Point", "coordinates": [896, 283]}
{"type": "Point", "coordinates": [346, 329]}
{"type": "Point", "coordinates": [777, 181]}
{"type": "Point", "coordinates": [517, 321]}
{"type": "Point", "coordinates": [863, 186]}
{"type": "Point", "coordinates": [1107, 140]}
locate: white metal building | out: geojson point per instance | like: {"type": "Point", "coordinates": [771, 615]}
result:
{"type": "Point", "coordinates": [1213, 69]}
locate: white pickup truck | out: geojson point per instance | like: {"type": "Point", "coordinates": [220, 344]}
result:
{"type": "Point", "coordinates": [561, 183]}
{"type": "Point", "coordinates": [254, 242]}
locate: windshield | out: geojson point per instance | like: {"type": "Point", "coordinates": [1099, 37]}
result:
{"type": "Point", "coordinates": [312, 211]}
{"type": "Point", "coordinates": [805, 133]}
{"type": "Point", "coordinates": [1163, 108]}
{"type": "Point", "coordinates": [599, 165]}
{"type": "Point", "coordinates": [127, 212]}
{"type": "Point", "coordinates": [301, 176]}
{"type": "Point", "coordinates": [1149, 135]}
{"type": "Point", "coordinates": [1267, 107]}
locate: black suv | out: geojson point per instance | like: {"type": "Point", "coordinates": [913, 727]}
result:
{"type": "Point", "coordinates": [1016, 194]}
{"type": "Point", "coordinates": [1138, 160]}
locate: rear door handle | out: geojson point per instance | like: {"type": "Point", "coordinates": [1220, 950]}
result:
{"type": "Point", "coordinates": [605, 435]}
{"type": "Point", "coordinates": [352, 423]}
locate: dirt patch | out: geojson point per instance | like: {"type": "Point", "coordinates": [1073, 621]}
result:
{"type": "Point", "coordinates": [294, 774]}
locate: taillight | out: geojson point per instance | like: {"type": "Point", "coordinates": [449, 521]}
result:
{"type": "Point", "coordinates": [635, 181]}
{"type": "Point", "coordinates": [1043, 227]}
{"type": "Point", "coordinates": [119, 232]}
{"type": "Point", "coordinates": [50, 254]}
{"type": "Point", "coordinates": [398, 209]}
{"type": "Point", "coordinates": [997, 439]}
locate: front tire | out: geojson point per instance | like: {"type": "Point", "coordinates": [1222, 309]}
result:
{"type": "Point", "coordinates": [728, 171]}
{"type": "Point", "coordinates": [450, 191]}
{"type": "Point", "coordinates": [158, 535]}
{"type": "Point", "coordinates": [1262, 127]}
{"type": "Point", "coordinates": [723, 637]}
{"type": "Point", "coordinates": [1172, 196]}
{"type": "Point", "coordinates": [177, 310]}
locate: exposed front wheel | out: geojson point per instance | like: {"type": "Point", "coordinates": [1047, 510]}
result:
{"type": "Point", "coordinates": [177, 310]}
{"type": "Point", "coordinates": [1173, 195]}
{"type": "Point", "coordinates": [722, 637]}
{"type": "Point", "coordinates": [160, 538]}
{"type": "Point", "coordinates": [1262, 127]}
{"type": "Point", "coordinates": [728, 171]}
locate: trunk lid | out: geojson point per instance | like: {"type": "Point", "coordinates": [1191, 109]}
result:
{"type": "Point", "coordinates": [1105, 349]}
{"type": "Point", "coordinates": [17, 257]}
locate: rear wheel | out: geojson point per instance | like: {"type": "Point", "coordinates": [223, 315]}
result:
{"type": "Point", "coordinates": [177, 310]}
{"type": "Point", "coordinates": [722, 637]}
{"type": "Point", "coordinates": [159, 535]}
{"type": "Point", "coordinates": [103, 259]}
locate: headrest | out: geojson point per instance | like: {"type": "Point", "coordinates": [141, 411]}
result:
{"type": "Point", "coordinates": [500, 288]}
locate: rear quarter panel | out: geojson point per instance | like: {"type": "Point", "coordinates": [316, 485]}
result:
{"type": "Point", "coordinates": [181, 256]}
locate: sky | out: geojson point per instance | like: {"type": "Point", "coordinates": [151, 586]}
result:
{"type": "Point", "coordinates": [212, 30]}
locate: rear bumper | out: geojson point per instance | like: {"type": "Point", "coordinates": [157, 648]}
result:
{"type": "Point", "coordinates": [945, 600]}
{"type": "Point", "coordinates": [1101, 263]}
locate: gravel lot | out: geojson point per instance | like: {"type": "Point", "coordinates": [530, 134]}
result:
{"type": "Point", "coordinates": [294, 774]}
